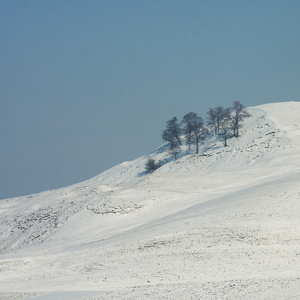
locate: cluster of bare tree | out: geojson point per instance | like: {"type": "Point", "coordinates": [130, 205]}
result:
{"type": "Point", "coordinates": [191, 130]}
{"type": "Point", "coordinates": [191, 127]}
{"type": "Point", "coordinates": [224, 122]}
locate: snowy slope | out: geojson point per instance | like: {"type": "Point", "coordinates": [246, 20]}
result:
{"type": "Point", "coordinates": [222, 224]}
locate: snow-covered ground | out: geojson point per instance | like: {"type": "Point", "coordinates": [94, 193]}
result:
{"type": "Point", "coordinates": [223, 224]}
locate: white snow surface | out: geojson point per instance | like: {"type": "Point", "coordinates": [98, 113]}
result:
{"type": "Point", "coordinates": [221, 224]}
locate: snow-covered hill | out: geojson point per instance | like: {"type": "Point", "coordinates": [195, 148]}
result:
{"type": "Point", "coordinates": [221, 224]}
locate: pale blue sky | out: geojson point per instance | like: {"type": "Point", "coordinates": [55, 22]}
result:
{"type": "Point", "coordinates": [86, 85]}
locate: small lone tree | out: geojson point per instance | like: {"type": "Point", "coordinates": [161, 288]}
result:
{"type": "Point", "coordinates": [238, 116]}
{"type": "Point", "coordinates": [151, 165]}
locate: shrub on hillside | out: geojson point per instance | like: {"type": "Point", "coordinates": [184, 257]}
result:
{"type": "Point", "coordinates": [151, 165]}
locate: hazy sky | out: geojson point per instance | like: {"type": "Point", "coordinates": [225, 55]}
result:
{"type": "Point", "coordinates": [86, 84]}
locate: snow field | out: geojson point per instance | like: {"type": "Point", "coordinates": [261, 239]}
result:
{"type": "Point", "coordinates": [224, 224]}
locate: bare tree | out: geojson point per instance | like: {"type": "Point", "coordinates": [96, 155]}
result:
{"type": "Point", "coordinates": [171, 135]}
{"type": "Point", "coordinates": [239, 114]}
{"type": "Point", "coordinates": [188, 122]}
{"type": "Point", "coordinates": [220, 112]}
{"type": "Point", "coordinates": [212, 119]}
{"type": "Point", "coordinates": [215, 116]}
{"type": "Point", "coordinates": [193, 129]}
{"type": "Point", "coordinates": [199, 132]}
{"type": "Point", "coordinates": [226, 124]}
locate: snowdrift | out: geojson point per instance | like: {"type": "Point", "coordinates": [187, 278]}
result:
{"type": "Point", "coordinates": [221, 224]}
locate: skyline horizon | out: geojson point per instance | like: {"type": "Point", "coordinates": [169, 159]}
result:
{"type": "Point", "coordinates": [86, 86]}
